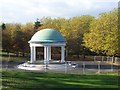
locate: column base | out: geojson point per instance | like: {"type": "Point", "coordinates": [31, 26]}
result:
{"type": "Point", "coordinates": [62, 61]}
{"type": "Point", "coordinates": [31, 62]}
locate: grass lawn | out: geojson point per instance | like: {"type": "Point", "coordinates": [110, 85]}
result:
{"type": "Point", "coordinates": [13, 80]}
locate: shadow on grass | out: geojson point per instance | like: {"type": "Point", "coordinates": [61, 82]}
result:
{"type": "Point", "coordinates": [37, 81]}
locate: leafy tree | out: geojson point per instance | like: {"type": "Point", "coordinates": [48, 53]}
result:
{"type": "Point", "coordinates": [103, 37]}
{"type": "Point", "coordinates": [19, 42]}
{"type": "Point", "coordinates": [28, 31]}
{"type": "Point", "coordinates": [7, 37]}
{"type": "Point", "coordinates": [49, 23]}
{"type": "Point", "coordinates": [79, 26]}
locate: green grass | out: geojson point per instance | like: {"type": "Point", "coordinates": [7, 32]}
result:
{"type": "Point", "coordinates": [5, 53]}
{"type": "Point", "coordinates": [13, 80]}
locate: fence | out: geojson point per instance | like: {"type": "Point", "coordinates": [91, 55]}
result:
{"type": "Point", "coordinates": [91, 64]}
{"type": "Point", "coordinates": [80, 67]}
{"type": "Point", "coordinates": [108, 59]}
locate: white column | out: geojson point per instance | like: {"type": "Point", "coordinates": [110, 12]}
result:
{"type": "Point", "coordinates": [49, 52]}
{"type": "Point", "coordinates": [34, 48]}
{"type": "Point", "coordinates": [62, 54]}
{"type": "Point", "coordinates": [31, 55]}
{"type": "Point", "coordinates": [45, 54]}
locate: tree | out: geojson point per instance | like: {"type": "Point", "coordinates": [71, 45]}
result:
{"type": "Point", "coordinates": [7, 37]}
{"type": "Point", "coordinates": [3, 26]}
{"type": "Point", "coordinates": [28, 31]}
{"type": "Point", "coordinates": [103, 37]}
{"type": "Point", "coordinates": [37, 24]}
{"type": "Point", "coordinates": [19, 42]}
{"type": "Point", "coordinates": [79, 26]}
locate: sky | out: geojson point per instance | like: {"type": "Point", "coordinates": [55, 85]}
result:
{"type": "Point", "coordinates": [22, 11]}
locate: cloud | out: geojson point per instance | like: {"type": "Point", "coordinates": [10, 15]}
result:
{"type": "Point", "coordinates": [23, 11]}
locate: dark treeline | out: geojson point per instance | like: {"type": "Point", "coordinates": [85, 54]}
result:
{"type": "Point", "coordinates": [85, 35]}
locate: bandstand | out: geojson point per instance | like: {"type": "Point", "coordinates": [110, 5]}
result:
{"type": "Point", "coordinates": [47, 38]}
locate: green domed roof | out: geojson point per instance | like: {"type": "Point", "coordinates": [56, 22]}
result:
{"type": "Point", "coordinates": [47, 35]}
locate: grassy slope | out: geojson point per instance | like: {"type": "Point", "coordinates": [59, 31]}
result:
{"type": "Point", "coordinates": [13, 80]}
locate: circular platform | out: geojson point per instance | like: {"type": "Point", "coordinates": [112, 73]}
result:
{"type": "Point", "coordinates": [40, 67]}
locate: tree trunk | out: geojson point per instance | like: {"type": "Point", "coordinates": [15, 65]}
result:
{"type": "Point", "coordinates": [17, 54]}
{"type": "Point", "coordinates": [23, 54]}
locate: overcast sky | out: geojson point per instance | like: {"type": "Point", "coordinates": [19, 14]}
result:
{"type": "Point", "coordinates": [22, 11]}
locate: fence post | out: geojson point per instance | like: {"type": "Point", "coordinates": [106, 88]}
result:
{"type": "Point", "coordinates": [107, 58]}
{"type": "Point", "coordinates": [7, 65]}
{"type": "Point", "coordinates": [116, 58]}
{"type": "Point", "coordinates": [98, 67]}
{"type": "Point", "coordinates": [94, 58]}
{"type": "Point", "coordinates": [111, 67]}
{"type": "Point", "coordinates": [102, 58]}
{"type": "Point", "coordinates": [83, 68]}
{"type": "Point", "coordinates": [65, 67]}
{"type": "Point", "coordinates": [112, 59]}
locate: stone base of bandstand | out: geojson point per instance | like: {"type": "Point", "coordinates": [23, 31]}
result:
{"type": "Point", "coordinates": [40, 66]}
